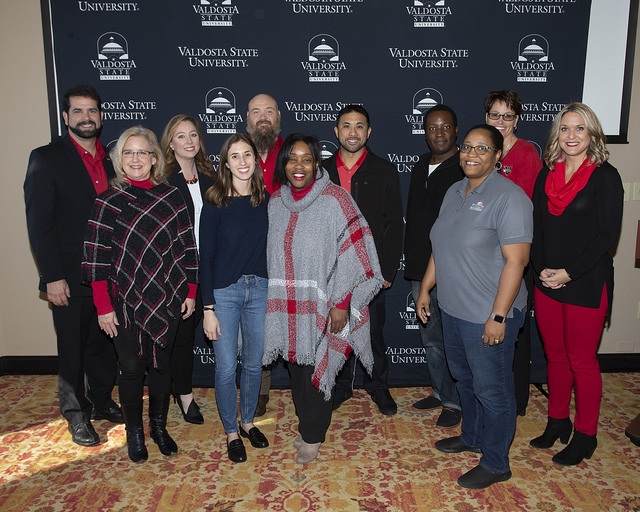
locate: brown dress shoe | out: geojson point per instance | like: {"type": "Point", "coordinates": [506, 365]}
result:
{"type": "Point", "coordinates": [261, 409]}
{"type": "Point", "coordinates": [633, 431]}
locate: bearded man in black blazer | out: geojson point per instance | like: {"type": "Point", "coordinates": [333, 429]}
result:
{"type": "Point", "coordinates": [62, 182]}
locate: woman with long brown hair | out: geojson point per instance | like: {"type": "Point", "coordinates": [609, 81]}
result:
{"type": "Point", "coordinates": [189, 169]}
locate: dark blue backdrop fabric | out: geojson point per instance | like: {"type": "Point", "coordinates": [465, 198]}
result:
{"type": "Point", "coordinates": [153, 59]}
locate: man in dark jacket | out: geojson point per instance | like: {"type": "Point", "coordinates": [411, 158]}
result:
{"type": "Point", "coordinates": [62, 182]}
{"type": "Point", "coordinates": [374, 184]}
{"type": "Point", "coordinates": [431, 177]}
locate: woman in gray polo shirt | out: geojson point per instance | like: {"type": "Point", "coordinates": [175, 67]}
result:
{"type": "Point", "coordinates": [481, 244]}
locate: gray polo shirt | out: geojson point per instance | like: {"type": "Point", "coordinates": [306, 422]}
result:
{"type": "Point", "coordinates": [467, 238]}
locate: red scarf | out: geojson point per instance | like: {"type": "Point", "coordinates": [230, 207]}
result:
{"type": "Point", "coordinates": [559, 193]}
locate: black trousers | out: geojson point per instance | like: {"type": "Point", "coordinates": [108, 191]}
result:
{"type": "Point", "coordinates": [134, 365]}
{"type": "Point", "coordinates": [522, 355]}
{"type": "Point", "coordinates": [313, 411]}
{"type": "Point", "coordinates": [379, 375]}
{"type": "Point", "coordinates": [182, 355]}
{"type": "Point", "coordinates": [87, 361]}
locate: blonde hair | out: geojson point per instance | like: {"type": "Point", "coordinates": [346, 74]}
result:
{"type": "Point", "coordinates": [203, 164]}
{"type": "Point", "coordinates": [157, 170]}
{"type": "Point", "coordinates": [597, 152]}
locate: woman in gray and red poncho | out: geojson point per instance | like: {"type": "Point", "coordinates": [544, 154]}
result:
{"type": "Point", "coordinates": [323, 271]}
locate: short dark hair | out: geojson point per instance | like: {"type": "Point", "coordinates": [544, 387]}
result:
{"type": "Point", "coordinates": [280, 176]}
{"type": "Point", "coordinates": [494, 134]}
{"type": "Point", "coordinates": [352, 107]}
{"type": "Point", "coordinates": [440, 107]}
{"type": "Point", "coordinates": [82, 91]}
{"type": "Point", "coordinates": [511, 99]}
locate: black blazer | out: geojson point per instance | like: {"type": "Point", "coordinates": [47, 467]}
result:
{"type": "Point", "coordinates": [59, 197]}
{"type": "Point", "coordinates": [178, 181]}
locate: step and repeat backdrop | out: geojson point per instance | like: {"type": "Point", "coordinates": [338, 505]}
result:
{"type": "Point", "coordinates": [153, 59]}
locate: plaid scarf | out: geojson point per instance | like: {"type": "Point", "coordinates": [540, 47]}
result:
{"type": "Point", "coordinates": [141, 242]}
{"type": "Point", "coordinates": [319, 250]}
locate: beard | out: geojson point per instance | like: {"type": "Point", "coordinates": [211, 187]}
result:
{"type": "Point", "coordinates": [89, 133]}
{"type": "Point", "coordinates": [264, 136]}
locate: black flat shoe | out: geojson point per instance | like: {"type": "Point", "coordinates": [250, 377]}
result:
{"type": "Point", "coordinates": [480, 478]}
{"type": "Point", "coordinates": [426, 404]}
{"type": "Point", "coordinates": [193, 414]}
{"type": "Point", "coordinates": [385, 402]}
{"type": "Point", "coordinates": [454, 445]}
{"type": "Point", "coordinates": [112, 414]}
{"type": "Point", "coordinates": [255, 437]}
{"type": "Point", "coordinates": [236, 451]}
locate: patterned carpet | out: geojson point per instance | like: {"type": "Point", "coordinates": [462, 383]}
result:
{"type": "Point", "coordinates": [370, 462]}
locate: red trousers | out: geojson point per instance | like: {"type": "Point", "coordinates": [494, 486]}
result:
{"type": "Point", "coordinates": [570, 335]}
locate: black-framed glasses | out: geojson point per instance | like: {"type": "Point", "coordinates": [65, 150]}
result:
{"type": "Point", "coordinates": [140, 154]}
{"type": "Point", "coordinates": [507, 117]}
{"type": "Point", "coordinates": [480, 150]}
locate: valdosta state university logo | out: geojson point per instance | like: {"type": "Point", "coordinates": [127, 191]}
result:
{"type": "Point", "coordinates": [423, 100]}
{"type": "Point", "coordinates": [220, 111]}
{"type": "Point", "coordinates": [533, 63]}
{"type": "Point", "coordinates": [216, 13]}
{"type": "Point", "coordinates": [113, 61]}
{"type": "Point", "coordinates": [323, 63]}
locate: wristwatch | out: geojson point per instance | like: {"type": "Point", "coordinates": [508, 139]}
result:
{"type": "Point", "coordinates": [498, 318]}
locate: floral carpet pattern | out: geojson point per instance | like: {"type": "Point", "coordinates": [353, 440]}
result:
{"type": "Point", "coordinates": [370, 462]}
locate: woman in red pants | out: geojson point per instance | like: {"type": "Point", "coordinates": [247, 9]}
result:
{"type": "Point", "coordinates": [577, 215]}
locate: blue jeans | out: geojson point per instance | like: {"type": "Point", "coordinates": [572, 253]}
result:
{"type": "Point", "coordinates": [484, 379]}
{"type": "Point", "coordinates": [444, 388]}
{"type": "Point", "coordinates": [240, 305]}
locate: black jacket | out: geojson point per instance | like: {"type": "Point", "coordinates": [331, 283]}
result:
{"type": "Point", "coordinates": [59, 197]}
{"type": "Point", "coordinates": [177, 181]}
{"type": "Point", "coordinates": [376, 189]}
{"type": "Point", "coordinates": [581, 239]}
{"type": "Point", "coordinates": [423, 206]}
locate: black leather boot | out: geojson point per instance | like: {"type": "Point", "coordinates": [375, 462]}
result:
{"type": "Point", "coordinates": [135, 432]}
{"type": "Point", "coordinates": [581, 447]}
{"type": "Point", "coordinates": [555, 429]}
{"type": "Point", "coordinates": [158, 409]}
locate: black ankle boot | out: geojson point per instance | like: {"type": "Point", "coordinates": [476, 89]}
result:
{"type": "Point", "coordinates": [581, 447]}
{"type": "Point", "coordinates": [158, 409]}
{"type": "Point", "coordinates": [135, 432]}
{"type": "Point", "coordinates": [555, 429]}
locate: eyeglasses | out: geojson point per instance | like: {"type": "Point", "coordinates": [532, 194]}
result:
{"type": "Point", "coordinates": [507, 117]}
{"type": "Point", "coordinates": [140, 154]}
{"type": "Point", "coordinates": [480, 150]}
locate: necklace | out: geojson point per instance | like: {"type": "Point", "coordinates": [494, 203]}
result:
{"type": "Point", "coordinates": [190, 181]}
{"type": "Point", "coordinates": [513, 141]}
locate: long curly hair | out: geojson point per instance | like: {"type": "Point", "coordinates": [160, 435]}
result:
{"type": "Point", "coordinates": [597, 152]}
{"type": "Point", "coordinates": [203, 163]}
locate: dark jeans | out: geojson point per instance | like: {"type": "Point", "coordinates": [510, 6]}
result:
{"type": "Point", "coordinates": [444, 388]}
{"type": "Point", "coordinates": [87, 361]}
{"type": "Point", "coordinates": [484, 379]}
